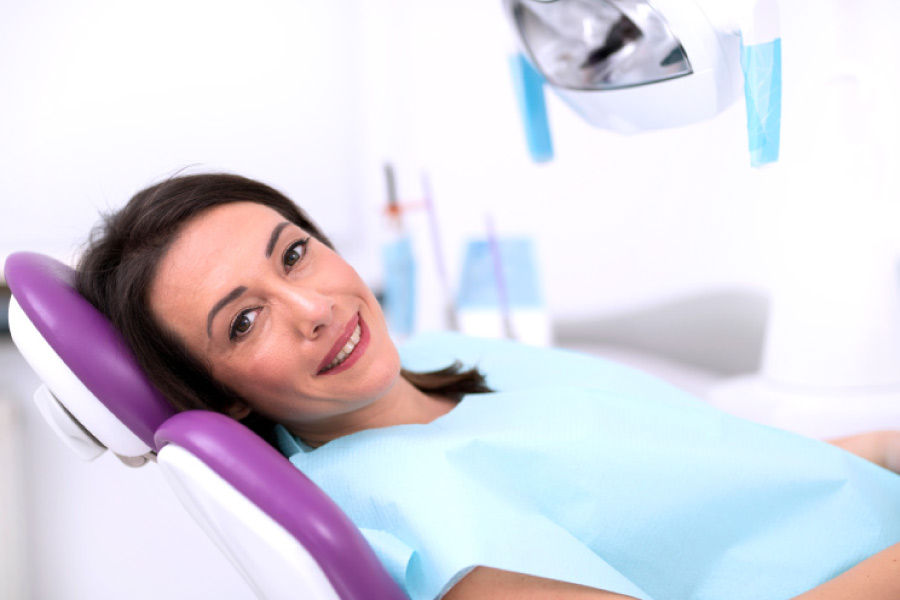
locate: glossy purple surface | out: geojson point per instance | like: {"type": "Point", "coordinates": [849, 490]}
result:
{"type": "Point", "coordinates": [271, 482]}
{"type": "Point", "coordinates": [86, 341]}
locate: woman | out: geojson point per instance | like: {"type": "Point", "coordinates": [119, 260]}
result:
{"type": "Point", "coordinates": [599, 484]}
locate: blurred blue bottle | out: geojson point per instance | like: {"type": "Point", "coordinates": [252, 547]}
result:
{"type": "Point", "coordinates": [399, 267]}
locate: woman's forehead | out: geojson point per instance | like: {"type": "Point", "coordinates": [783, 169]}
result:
{"type": "Point", "coordinates": [232, 217]}
{"type": "Point", "coordinates": [211, 253]}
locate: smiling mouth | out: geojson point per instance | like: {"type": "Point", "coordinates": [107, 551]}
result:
{"type": "Point", "coordinates": [345, 351]}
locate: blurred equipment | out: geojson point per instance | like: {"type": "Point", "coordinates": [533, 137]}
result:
{"type": "Point", "coordinates": [631, 66]}
{"type": "Point", "coordinates": [399, 266]}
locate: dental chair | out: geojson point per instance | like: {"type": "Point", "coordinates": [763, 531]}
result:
{"type": "Point", "coordinates": [284, 535]}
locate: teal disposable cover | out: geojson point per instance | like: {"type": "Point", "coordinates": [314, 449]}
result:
{"type": "Point", "coordinates": [586, 471]}
{"type": "Point", "coordinates": [761, 64]}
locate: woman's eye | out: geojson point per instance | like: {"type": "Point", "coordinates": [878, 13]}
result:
{"type": "Point", "coordinates": [242, 323]}
{"type": "Point", "coordinates": [294, 253]}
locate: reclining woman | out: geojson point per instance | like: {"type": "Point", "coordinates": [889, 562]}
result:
{"type": "Point", "coordinates": [540, 474]}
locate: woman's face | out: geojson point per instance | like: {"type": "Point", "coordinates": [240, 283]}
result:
{"type": "Point", "coordinates": [277, 316]}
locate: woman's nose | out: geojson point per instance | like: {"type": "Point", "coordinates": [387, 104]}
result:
{"type": "Point", "coordinates": [309, 310]}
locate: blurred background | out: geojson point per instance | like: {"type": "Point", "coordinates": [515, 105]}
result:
{"type": "Point", "coordinates": [659, 244]}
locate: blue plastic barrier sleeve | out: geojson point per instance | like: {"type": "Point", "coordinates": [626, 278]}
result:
{"type": "Point", "coordinates": [761, 64]}
{"type": "Point", "coordinates": [529, 87]}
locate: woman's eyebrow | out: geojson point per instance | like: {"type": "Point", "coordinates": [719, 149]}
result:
{"type": "Point", "coordinates": [230, 297]}
{"type": "Point", "coordinates": [274, 237]}
{"type": "Point", "coordinates": [236, 292]}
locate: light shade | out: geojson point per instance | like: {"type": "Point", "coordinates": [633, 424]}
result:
{"type": "Point", "coordinates": [599, 44]}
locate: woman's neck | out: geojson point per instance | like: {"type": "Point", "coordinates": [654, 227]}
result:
{"type": "Point", "coordinates": [405, 404]}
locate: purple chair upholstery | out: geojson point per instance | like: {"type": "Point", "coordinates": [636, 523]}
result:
{"type": "Point", "coordinates": [95, 353]}
{"type": "Point", "coordinates": [85, 341]}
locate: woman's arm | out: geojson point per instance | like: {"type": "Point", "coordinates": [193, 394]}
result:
{"type": "Point", "coordinates": [876, 578]}
{"type": "Point", "coordinates": [493, 584]}
{"type": "Point", "coordinates": [879, 447]}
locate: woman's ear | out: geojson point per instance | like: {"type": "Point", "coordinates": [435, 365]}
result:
{"type": "Point", "coordinates": [238, 410]}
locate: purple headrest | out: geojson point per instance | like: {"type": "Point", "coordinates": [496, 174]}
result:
{"type": "Point", "coordinates": [86, 341]}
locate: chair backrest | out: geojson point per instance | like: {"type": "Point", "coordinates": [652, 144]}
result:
{"type": "Point", "coordinates": [285, 536]}
{"type": "Point", "coordinates": [278, 523]}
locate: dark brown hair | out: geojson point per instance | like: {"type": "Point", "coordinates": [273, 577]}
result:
{"type": "Point", "coordinates": [119, 264]}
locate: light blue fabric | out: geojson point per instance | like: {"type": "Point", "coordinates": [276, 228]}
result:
{"type": "Point", "coordinates": [586, 471]}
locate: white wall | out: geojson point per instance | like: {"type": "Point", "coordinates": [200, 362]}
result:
{"type": "Point", "coordinates": [12, 506]}
{"type": "Point", "coordinates": [100, 98]}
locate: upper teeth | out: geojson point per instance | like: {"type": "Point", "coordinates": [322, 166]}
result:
{"type": "Point", "coordinates": [346, 350]}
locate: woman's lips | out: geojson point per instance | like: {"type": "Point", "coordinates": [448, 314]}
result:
{"type": "Point", "coordinates": [340, 346]}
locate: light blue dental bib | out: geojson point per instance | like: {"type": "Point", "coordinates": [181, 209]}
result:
{"type": "Point", "coordinates": [586, 471]}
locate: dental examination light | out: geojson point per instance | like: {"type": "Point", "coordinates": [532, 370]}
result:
{"type": "Point", "coordinates": [633, 65]}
